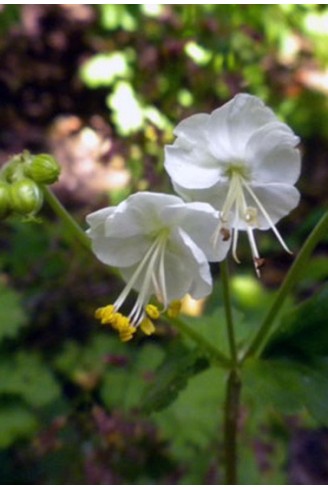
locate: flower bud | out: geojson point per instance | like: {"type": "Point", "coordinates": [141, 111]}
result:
{"type": "Point", "coordinates": [13, 170]}
{"type": "Point", "coordinates": [43, 169]}
{"type": "Point", "coordinates": [4, 199]}
{"type": "Point", "coordinates": [25, 197]}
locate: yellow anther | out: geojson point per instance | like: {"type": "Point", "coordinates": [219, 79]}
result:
{"type": "Point", "coordinates": [152, 311]}
{"type": "Point", "coordinates": [147, 326]}
{"type": "Point", "coordinates": [105, 313]}
{"type": "Point", "coordinates": [120, 322]}
{"type": "Point", "coordinates": [174, 308]}
{"type": "Point", "coordinates": [127, 333]}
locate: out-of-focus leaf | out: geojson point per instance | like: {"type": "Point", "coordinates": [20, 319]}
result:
{"type": "Point", "coordinates": [127, 110]}
{"type": "Point", "coordinates": [288, 386]}
{"type": "Point", "coordinates": [27, 376]}
{"type": "Point", "coordinates": [9, 15]}
{"type": "Point", "coordinates": [294, 372]}
{"type": "Point", "coordinates": [303, 332]}
{"type": "Point", "coordinates": [197, 53]}
{"type": "Point", "coordinates": [12, 316]}
{"type": "Point", "coordinates": [119, 16]}
{"type": "Point", "coordinates": [124, 386]}
{"type": "Point", "coordinates": [16, 422]}
{"type": "Point", "coordinates": [271, 383]}
{"type": "Point", "coordinates": [103, 69]}
{"type": "Point", "coordinates": [85, 365]}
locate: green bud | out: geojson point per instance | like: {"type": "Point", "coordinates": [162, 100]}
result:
{"type": "Point", "coordinates": [26, 197]}
{"type": "Point", "coordinates": [13, 170]}
{"type": "Point", "coordinates": [43, 169]}
{"type": "Point", "coordinates": [4, 199]}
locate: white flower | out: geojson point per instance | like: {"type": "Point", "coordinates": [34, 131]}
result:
{"type": "Point", "coordinates": [242, 160]}
{"type": "Point", "coordinates": [161, 246]}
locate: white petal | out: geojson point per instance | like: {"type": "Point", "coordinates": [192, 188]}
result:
{"type": "Point", "coordinates": [277, 199]}
{"type": "Point", "coordinates": [232, 125]}
{"type": "Point", "coordinates": [192, 130]}
{"type": "Point", "coordinates": [272, 156]}
{"type": "Point", "coordinates": [139, 214]}
{"type": "Point", "coordinates": [97, 219]}
{"type": "Point", "coordinates": [214, 195]}
{"type": "Point", "coordinates": [119, 252]}
{"type": "Point", "coordinates": [191, 168]}
{"type": "Point", "coordinates": [201, 279]}
{"type": "Point", "coordinates": [199, 220]}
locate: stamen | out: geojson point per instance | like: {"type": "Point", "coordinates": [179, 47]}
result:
{"type": "Point", "coordinates": [234, 245]}
{"type": "Point", "coordinates": [152, 311]}
{"type": "Point", "coordinates": [254, 249]}
{"type": "Point", "coordinates": [267, 217]}
{"type": "Point", "coordinates": [147, 326]}
{"type": "Point", "coordinates": [162, 281]}
{"type": "Point", "coordinates": [126, 291]}
{"type": "Point", "coordinates": [153, 271]}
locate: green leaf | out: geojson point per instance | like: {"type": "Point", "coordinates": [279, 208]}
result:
{"type": "Point", "coordinates": [288, 386]}
{"type": "Point", "coordinates": [193, 420]}
{"type": "Point", "coordinates": [27, 376]}
{"type": "Point", "coordinates": [179, 365]}
{"type": "Point", "coordinates": [303, 332]}
{"type": "Point", "coordinates": [271, 383]}
{"type": "Point", "coordinates": [12, 316]}
{"type": "Point", "coordinates": [16, 422]}
{"type": "Point", "coordinates": [212, 327]}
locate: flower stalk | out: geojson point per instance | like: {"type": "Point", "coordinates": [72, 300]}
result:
{"type": "Point", "coordinates": [228, 311]}
{"type": "Point", "coordinates": [231, 417]}
{"type": "Point", "coordinates": [70, 223]}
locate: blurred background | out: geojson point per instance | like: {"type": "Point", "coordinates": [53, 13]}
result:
{"type": "Point", "coordinates": [101, 87]}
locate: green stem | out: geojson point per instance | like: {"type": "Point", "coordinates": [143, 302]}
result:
{"type": "Point", "coordinates": [290, 280]}
{"type": "Point", "coordinates": [70, 223]}
{"type": "Point", "coordinates": [233, 387]}
{"type": "Point", "coordinates": [217, 355]}
{"type": "Point", "coordinates": [225, 279]}
{"type": "Point", "coordinates": [231, 417]}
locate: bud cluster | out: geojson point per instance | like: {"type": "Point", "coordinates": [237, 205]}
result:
{"type": "Point", "coordinates": [21, 180]}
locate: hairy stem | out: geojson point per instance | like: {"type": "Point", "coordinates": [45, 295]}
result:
{"type": "Point", "coordinates": [74, 229]}
{"type": "Point", "coordinates": [228, 311]}
{"type": "Point", "coordinates": [231, 417]}
{"type": "Point", "coordinates": [233, 386]}
{"type": "Point", "coordinates": [294, 273]}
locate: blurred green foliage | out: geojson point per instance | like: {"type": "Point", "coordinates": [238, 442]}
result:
{"type": "Point", "coordinates": [78, 406]}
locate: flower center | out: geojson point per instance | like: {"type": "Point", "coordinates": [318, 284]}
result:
{"type": "Point", "coordinates": [236, 210]}
{"type": "Point", "coordinates": [152, 271]}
